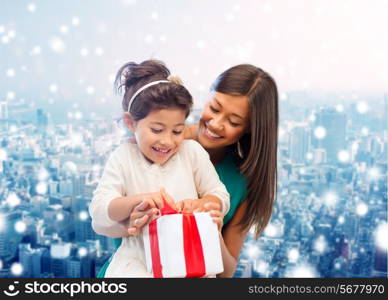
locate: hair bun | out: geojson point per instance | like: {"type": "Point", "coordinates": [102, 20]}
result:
{"type": "Point", "coordinates": [175, 79]}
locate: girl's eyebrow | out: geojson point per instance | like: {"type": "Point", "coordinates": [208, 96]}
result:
{"type": "Point", "coordinates": [162, 124]}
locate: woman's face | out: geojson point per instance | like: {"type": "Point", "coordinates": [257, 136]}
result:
{"type": "Point", "coordinates": [224, 120]}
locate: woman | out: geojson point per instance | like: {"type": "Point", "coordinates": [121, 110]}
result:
{"type": "Point", "coordinates": [238, 128]}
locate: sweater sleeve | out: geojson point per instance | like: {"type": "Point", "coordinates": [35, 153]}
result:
{"type": "Point", "coordinates": [206, 178]}
{"type": "Point", "coordinates": [110, 186]}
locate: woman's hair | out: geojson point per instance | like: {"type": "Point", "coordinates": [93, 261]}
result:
{"type": "Point", "coordinates": [132, 76]}
{"type": "Point", "coordinates": [259, 144]}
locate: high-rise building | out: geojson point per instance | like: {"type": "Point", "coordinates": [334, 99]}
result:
{"type": "Point", "coordinates": [60, 254]}
{"type": "Point", "coordinates": [333, 139]}
{"type": "Point", "coordinates": [9, 238]}
{"type": "Point", "coordinates": [25, 259]}
{"type": "Point", "coordinates": [3, 116]}
{"type": "Point", "coordinates": [299, 142]}
{"type": "Point", "coordinates": [41, 120]}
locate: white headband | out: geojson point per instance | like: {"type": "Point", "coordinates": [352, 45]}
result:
{"type": "Point", "coordinates": [142, 89]}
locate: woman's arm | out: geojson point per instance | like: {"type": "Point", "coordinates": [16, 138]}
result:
{"type": "Point", "coordinates": [232, 240]}
{"type": "Point", "coordinates": [191, 132]}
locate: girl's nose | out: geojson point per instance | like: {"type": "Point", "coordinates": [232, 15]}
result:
{"type": "Point", "coordinates": [166, 140]}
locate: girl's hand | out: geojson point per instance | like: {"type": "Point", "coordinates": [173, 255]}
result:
{"type": "Point", "coordinates": [141, 215]}
{"type": "Point", "coordinates": [189, 206]}
{"type": "Point", "coordinates": [155, 200]}
{"type": "Point", "coordinates": [198, 205]}
{"type": "Point", "coordinates": [147, 210]}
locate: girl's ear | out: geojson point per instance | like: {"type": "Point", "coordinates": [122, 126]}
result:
{"type": "Point", "coordinates": [129, 122]}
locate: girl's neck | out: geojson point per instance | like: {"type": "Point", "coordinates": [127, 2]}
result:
{"type": "Point", "coordinates": [217, 155]}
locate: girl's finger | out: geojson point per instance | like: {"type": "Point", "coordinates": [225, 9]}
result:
{"type": "Point", "coordinates": [132, 230]}
{"type": "Point", "coordinates": [179, 206]}
{"type": "Point", "coordinates": [185, 208]}
{"type": "Point", "coordinates": [148, 202]}
{"type": "Point", "coordinates": [140, 214]}
{"type": "Point", "coordinates": [140, 222]}
{"type": "Point", "coordinates": [168, 198]}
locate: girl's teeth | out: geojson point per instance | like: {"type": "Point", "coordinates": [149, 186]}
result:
{"type": "Point", "coordinates": [160, 150]}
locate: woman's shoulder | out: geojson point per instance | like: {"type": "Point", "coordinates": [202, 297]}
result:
{"type": "Point", "coordinates": [230, 173]}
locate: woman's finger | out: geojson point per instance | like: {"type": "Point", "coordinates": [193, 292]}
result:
{"type": "Point", "coordinates": [215, 213]}
{"type": "Point", "coordinates": [219, 222]}
{"type": "Point", "coordinates": [212, 206]}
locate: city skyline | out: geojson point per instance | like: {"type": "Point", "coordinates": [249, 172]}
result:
{"type": "Point", "coordinates": [59, 122]}
{"type": "Point", "coordinates": [327, 220]}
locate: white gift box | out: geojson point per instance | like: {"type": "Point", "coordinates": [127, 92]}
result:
{"type": "Point", "coordinates": [183, 245]}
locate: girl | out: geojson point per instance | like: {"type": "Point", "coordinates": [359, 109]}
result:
{"type": "Point", "coordinates": [155, 111]}
{"type": "Point", "coordinates": [239, 130]}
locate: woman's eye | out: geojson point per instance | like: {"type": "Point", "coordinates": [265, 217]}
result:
{"type": "Point", "coordinates": [156, 130]}
{"type": "Point", "coordinates": [177, 132]}
{"type": "Point", "coordinates": [213, 109]}
{"type": "Point", "coordinates": [234, 124]}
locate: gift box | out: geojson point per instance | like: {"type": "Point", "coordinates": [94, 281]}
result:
{"type": "Point", "coordinates": [182, 245]}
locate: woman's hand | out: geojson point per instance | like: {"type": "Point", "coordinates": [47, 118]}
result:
{"type": "Point", "coordinates": [191, 132]}
{"type": "Point", "coordinates": [215, 213]}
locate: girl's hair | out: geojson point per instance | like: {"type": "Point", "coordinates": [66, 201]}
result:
{"type": "Point", "coordinates": [133, 76]}
{"type": "Point", "coordinates": [259, 144]}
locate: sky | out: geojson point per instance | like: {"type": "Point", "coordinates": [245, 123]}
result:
{"type": "Point", "coordinates": [64, 54]}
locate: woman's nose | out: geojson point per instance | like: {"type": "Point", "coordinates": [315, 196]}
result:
{"type": "Point", "coordinates": [216, 124]}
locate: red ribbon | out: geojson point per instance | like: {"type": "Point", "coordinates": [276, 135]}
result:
{"type": "Point", "coordinates": [192, 246]}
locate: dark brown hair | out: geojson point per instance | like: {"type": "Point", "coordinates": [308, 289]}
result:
{"type": "Point", "coordinates": [259, 145]}
{"type": "Point", "coordinates": [133, 76]}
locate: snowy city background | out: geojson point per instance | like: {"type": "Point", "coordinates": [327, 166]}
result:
{"type": "Point", "coordinates": [59, 120]}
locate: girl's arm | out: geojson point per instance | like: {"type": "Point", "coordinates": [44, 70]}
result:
{"type": "Point", "coordinates": [232, 240]}
{"type": "Point", "coordinates": [115, 231]}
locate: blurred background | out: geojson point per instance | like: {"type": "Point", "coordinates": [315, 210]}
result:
{"type": "Point", "coordinates": [59, 113]}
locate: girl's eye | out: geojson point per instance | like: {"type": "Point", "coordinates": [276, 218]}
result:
{"type": "Point", "coordinates": [156, 130]}
{"type": "Point", "coordinates": [176, 132]}
{"type": "Point", "coordinates": [213, 109]}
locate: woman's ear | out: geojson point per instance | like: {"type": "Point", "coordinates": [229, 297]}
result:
{"type": "Point", "coordinates": [129, 122]}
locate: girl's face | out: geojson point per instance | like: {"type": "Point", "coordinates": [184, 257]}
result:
{"type": "Point", "coordinates": [160, 134]}
{"type": "Point", "coordinates": [224, 120]}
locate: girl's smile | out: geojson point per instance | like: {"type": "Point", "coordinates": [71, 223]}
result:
{"type": "Point", "coordinates": [159, 134]}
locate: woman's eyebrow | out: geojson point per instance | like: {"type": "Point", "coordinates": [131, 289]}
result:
{"type": "Point", "coordinates": [218, 102]}
{"type": "Point", "coordinates": [234, 114]}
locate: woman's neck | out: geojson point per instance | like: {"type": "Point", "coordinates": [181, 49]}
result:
{"type": "Point", "coordinates": [217, 155]}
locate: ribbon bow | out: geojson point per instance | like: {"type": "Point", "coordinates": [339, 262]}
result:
{"type": "Point", "coordinates": [193, 252]}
